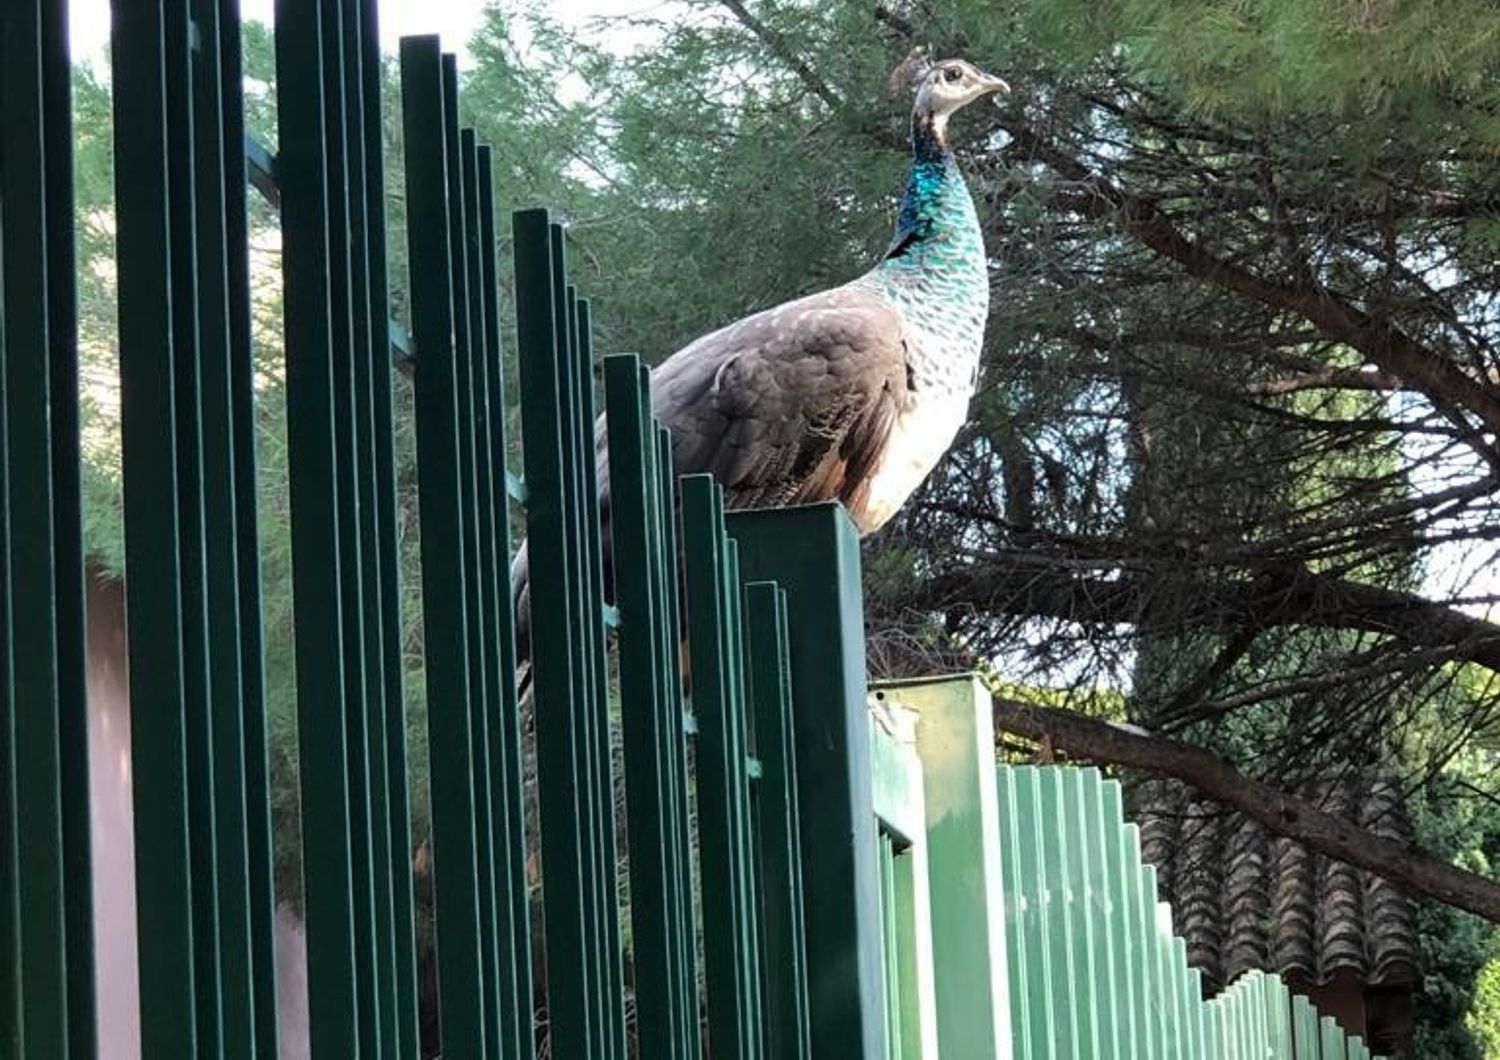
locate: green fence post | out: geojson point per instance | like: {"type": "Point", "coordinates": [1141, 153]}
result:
{"type": "Point", "coordinates": [955, 741]}
{"type": "Point", "coordinates": [840, 874]}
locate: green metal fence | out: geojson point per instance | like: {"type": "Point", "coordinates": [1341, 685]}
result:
{"type": "Point", "coordinates": [801, 882]}
{"type": "Point", "coordinates": [1060, 918]}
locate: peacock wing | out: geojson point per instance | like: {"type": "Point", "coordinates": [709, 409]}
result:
{"type": "Point", "coordinates": [791, 405]}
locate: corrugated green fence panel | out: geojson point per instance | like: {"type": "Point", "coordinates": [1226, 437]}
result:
{"type": "Point", "coordinates": [783, 934]}
{"type": "Point", "coordinates": [841, 879]}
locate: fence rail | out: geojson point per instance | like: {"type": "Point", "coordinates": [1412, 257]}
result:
{"type": "Point", "coordinates": [801, 881]}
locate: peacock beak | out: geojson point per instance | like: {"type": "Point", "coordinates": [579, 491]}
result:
{"type": "Point", "coordinates": [991, 83]}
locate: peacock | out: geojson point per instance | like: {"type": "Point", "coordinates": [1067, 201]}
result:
{"type": "Point", "coordinates": [854, 393]}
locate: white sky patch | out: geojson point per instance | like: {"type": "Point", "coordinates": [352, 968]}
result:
{"type": "Point", "coordinates": [454, 20]}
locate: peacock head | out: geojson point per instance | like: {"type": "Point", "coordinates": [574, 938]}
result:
{"type": "Point", "coordinates": [942, 88]}
{"type": "Point", "coordinates": [947, 86]}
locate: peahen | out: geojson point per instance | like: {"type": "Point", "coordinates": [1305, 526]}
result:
{"type": "Point", "coordinates": [851, 394]}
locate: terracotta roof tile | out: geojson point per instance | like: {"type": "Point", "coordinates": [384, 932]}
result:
{"type": "Point", "coordinates": [1243, 899]}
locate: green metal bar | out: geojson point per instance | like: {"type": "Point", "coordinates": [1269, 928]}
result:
{"type": "Point", "coordinates": [539, 346]}
{"type": "Point", "coordinates": [1134, 907]}
{"type": "Point", "coordinates": [463, 263]}
{"type": "Point", "coordinates": [611, 950]}
{"type": "Point", "coordinates": [182, 162]}
{"type": "Point", "coordinates": [443, 612]}
{"type": "Point", "coordinates": [164, 891]}
{"type": "Point", "coordinates": [246, 532]}
{"type": "Point", "coordinates": [704, 546]}
{"type": "Point", "coordinates": [67, 526]}
{"type": "Point", "coordinates": [1098, 908]}
{"type": "Point", "coordinates": [577, 505]}
{"type": "Point", "coordinates": [34, 659]}
{"type": "Point", "coordinates": [385, 556]}
{"type": "Point", "coordinates": [506, 733]}
{"type": "Point", "coordinates": [10, 907]}
{"type": "Point", "coordinates": [659, 1015]}
{"type": "Point", "coordinates": [488, 785]}
{"type": "Point", "coordinates": [1035, 894]}
{"type": "Point", "coordinates": [221, 555]}
{"type": "Point", "coordinates": [1114, 843]}
{"type": "Point", "coordinates": [1304, 1029]}
{"type": "Point", "coordinates": [45, 745]}
{"type": "Point", "coordinates": [742, 876]}
{"type": "Point", "coordinates": [1064, 935]}
{"type": "Point", "coordinates": [1017, 937]}
{"type": "Point", "coordinates": [370, 340]}
{"type": "Point", "coordinates": [677, 723]}
{"type": "Point", "coordinates": [783, 932]}
{"type": "Point", "coordinates": [386, 718]}
{"type": "Point", "coordinates": [1086, 994]}
{"type": "Point", "coordinates": [349, 315]}
{"type": "Point", "coordinates": [323, 695]}
{"type": "Point", "coordinates": [840, 877]}
{"type": "Point", "coordinates": [491, 817]}
{"type": "Point", "coordinates": [1331, 1039]}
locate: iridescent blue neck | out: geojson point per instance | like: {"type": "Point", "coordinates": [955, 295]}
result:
{"type": "Point", "coordinates": [931, 185]}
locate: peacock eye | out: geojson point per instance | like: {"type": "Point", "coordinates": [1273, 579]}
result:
{"type": "Point", "coordinates": [951, 74]}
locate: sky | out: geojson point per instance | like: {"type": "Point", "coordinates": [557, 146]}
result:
{"type": "Point", "coordinates": [454, 20]}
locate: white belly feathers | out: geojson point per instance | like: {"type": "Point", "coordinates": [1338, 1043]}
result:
{"type": "Point", "coordinates": [919, 439]}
